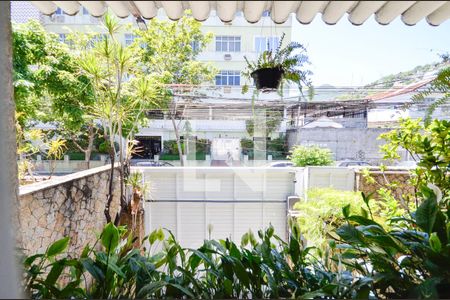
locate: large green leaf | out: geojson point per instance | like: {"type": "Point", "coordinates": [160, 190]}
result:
{"type": "Point", "coordinates": [110, 237]}
{"type": "Point", "coordinates": [93, 269]}
{"type": "Point", "coordinates": [55, 272]}
{"type": "Point", "coordinates": [426, 214]}
{"type": "Point", "coordinates": [149, 289]}
{"type": "Point", "coordinates": [58, 247]}
{"type": "Point", "coordinates": [350, 234]}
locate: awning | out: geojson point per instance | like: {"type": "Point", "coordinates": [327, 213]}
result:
{"type": "Point", "coordinates": [435, 12]}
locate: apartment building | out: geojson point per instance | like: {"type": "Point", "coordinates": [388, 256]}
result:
{"type": "Point", "coordinates": [232, 41]}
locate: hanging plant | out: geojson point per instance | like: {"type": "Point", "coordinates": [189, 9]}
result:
{"type": "Point", "coordinates": [274, 68]}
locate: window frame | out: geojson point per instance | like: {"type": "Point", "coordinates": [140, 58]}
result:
{"type": "Point", "coordinates": [273, 38]}
{"type": "Point", "coordinates": [228, 78]}
{"type": "Point", "coordinates": [234, 40]}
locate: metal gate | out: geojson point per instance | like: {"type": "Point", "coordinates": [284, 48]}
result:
{"type": "Point", "coordinates": [201, 203]}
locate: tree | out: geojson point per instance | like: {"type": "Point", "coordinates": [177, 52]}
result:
{"type": "Point", "coordinates": [170, 53]}
{"type": "Point", "coordinates": [120, 103]}
{"type": "Point", "coordinates": [47, 85]}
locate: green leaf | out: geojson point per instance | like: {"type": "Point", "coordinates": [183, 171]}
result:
{"type": "Point", "coordinates": [153, 237]}
{"type": "Point", "coordinates": [346, 211]}
{"type": "Point", "coordinates": [110, 237]}
{"type": "Point", "coordinates": [435, 243]}
{"type": "Point", "coordinates": [30, 259]}
{"type": "Point", "coordinates": [85, 252]}
{"type": "Point", "coordinates": [363, 221]}
{"type": "Point", "coordinates": [350, 234]}
{"type": "Point", "coordinates": [426, 214]}
{"type": "Point", "coordinates": [58, 247]}
{"type": "Point", "coordinates": [94, 270]}
{"type": "Point", "coordinates": [183, 289]}
{"type": "Point", "coordinates": [240, 272]}
{"type": "Point", "coordinates": [149, 289]}
{"type": "Point", "coordinates": [55, 272]}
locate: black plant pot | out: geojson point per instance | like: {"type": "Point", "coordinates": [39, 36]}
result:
{"type": "Point", "coordinates": [267, 79]}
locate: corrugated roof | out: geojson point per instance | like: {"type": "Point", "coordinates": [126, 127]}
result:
{"type": "Point", "coordinates": [411, 12]}
{"type": "Point", "coordinates": [400, 91]}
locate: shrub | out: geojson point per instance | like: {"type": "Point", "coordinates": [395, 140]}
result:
{"type": "Point", "coordinates": [322, 213]}
{"type": "Point", "coordinates": [303, 156]}
{"type": "Point", "coordinates": [429, 146]}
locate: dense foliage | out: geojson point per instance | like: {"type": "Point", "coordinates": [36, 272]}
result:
{"type": "Point", "coordinates": [303, 156]}
{"type": "Point", "coordinates": [366, 260]}
{"type": "Point", "coordinates": [428, 146]}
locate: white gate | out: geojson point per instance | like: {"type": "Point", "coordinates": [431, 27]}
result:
{"type": "Point", "coordinates": [200, 203]}
{"type": "Point", "coordinates": [225, 148]}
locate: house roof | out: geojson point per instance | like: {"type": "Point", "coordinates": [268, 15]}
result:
{"type": "Point", "coordinates": [397, 91]}
{"type": "Point", "coordinates": [323, 122]}
{"type": "Point", "coordinates": [435, 12]}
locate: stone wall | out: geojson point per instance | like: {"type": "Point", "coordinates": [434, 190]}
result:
{"type": "Point", "coordinates": [399, 177]}
{"type": "Point", "coordinates": [71, 205]}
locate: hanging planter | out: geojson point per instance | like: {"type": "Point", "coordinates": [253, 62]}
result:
{"type": "Point", "coordinates": [267, 79]}
{"type": "Point", "coordinates": [274, 67]}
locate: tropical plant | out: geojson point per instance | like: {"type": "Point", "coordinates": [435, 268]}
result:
{"type": "Point", "coordinates": [121, 103]}
{"type": "Point", "coordinates": [263, 267]}
{"type": "Point", "coordinates": [410, 260]}
{"type": "Point", "coordinates": [303, 156]}
{"type": "Point", "coordinates": [428, 146]}
{"type": "Point", "coordinates": [439, 86]}
{"type": "Point", "coordinates": [170, 55]}
{"type": "Point", "coordinates": [282, 58]}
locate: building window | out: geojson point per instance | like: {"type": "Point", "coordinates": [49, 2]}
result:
{"type": "Point", "coordinates": [59, 12]}
{"type": "Point", "coordinates": [62, 37]}
{"type": "Point", "coordinates": [195, 45]}
{"type": "Point", "coordinates": [228, 78]}
{"type": "Point", "coordinates": [266, 43]}
{"type": "Point", "coordinates": [266, 13]}
{"type": "Point", "coordinates": [96, 39]}
{"type": "Point", "coordinates": [129, 39]}
{"type": "Point", "coordinates": [228, 43]}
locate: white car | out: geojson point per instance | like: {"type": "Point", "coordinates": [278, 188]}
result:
{"type": "Point", "coordinates": [281, 164]}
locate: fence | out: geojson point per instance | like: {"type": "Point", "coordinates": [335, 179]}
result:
{"type": "Point", "coordinates": [200, 203]}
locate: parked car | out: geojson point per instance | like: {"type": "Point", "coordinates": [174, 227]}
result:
{"type": "Point", "coordinates": [281, 164]}
{"type": "Point", "coordinates": [153, 164]}
{"type": "Point", "coordinates": [407, 164]}
{"type": "Point", "coordinates": [352, 163]}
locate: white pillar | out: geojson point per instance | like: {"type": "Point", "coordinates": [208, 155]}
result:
{"type": "Point", "coordinates": [9, 283]}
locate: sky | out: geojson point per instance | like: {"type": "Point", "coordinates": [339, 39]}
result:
{"type": "Point", "coordinates": [348, 55]}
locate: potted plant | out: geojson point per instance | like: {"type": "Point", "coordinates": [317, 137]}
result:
{"type": "Point", "coordinates": [274, 67]}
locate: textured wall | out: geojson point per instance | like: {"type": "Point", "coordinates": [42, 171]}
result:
{"type": "Point", "coordinates": [400, 178]}
{"type": "Point", "coordinates": [71, 205]}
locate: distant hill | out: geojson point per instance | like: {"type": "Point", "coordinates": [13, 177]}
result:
{"type": "Point", "coordinates": [389, 81]}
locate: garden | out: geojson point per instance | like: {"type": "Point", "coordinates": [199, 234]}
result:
{"type": "Point", "coordinates": [342, 245]}
{"type": "Point", "coordinates": [345, 245]}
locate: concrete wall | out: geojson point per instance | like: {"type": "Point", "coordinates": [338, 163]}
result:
{"type": "Point", "coordinates": [346, 122]}
{"type": "Point", "coordinates": [345, 143]}
{"type": "Point", "coordinates": [69, 205]}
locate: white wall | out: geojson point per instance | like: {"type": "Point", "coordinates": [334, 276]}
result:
{"type": "Point", "coordinates": [232, 200]}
